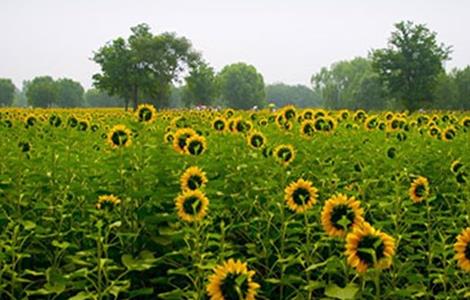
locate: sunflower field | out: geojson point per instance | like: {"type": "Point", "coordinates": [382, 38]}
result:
{"type": "Point", "coordinates": [224, 204]}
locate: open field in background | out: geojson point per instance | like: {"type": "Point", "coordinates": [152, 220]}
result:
{"type": "Point", "coordinates": [260, 196]}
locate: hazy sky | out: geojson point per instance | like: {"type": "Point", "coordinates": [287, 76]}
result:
{"type": "Point", "coordinates": [285, 40]}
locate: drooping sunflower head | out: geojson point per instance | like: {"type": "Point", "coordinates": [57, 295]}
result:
{"type": "Point", "coordinates": [196, 145]}
{"type": "Point", "coordinates": [456, 166]}
{"type": "Point", "coordinates": [307, 128]}
{"type": "Point", "coordinates": [107, 202]}
{"type": "Point", "coordinates": [367, 247]}
{"type": "Point", "coordinates": [462, 249]}
{"type": "Point", "coordinates": [465, 122]}
{"type": "Point", "coordinates": [340, 214]}
{"type": "Point", "coordinates": [55, 120]}
{"type": "Point", "coordinates": [30, 120]}
{"type": "Point", "coordinates": [434, 131]}
{"type": "Point", "coordinates": [146, 113]}
{"type": "Point", "coordinates": [256, 139]}
{"type": "Point", "coordinates": [300, 195]}
{"type": "Point", "coordinates": [243, 126]}
{"type": "Point", "coordinates": [168, 137]}
{"type": "Point", "coordinates": [181, 137]}
{"type": "Point", "coordinates": [419, 189]}
{"type": "Point", "coordinates": [371, 123]}
{"type": "Point", "coordinates": [83, 125]}
{"type": "Point", "coordinates": [219, 124]}
{"type": "Point", "coordinates": [119, 136]}
{"type": "Point", "coordinates": [232, 281]}
{"type": "Point", "coordinates": [289, 112]}
{"type": "Point", "coordinates": [284, 154]}
{"type": "Point", "coordinates": [193, 179]}
{"type": "Point", "coordinates": [191, 206]}
{"type": "Point", "coordinates": [448, 134]}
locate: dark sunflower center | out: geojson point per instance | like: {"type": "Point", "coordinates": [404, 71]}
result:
{"type": "Point", "coordinates": [420, 190]}
{"type": "Point", "coordinates": [195, 147]}
{"type": "Point", "coordinates": [308, 129]}
{"type": "Point", "coordinates": [73, 122]}
{"type": "Point", "coordinates": [145, 114]}
{"type": "Point", "coordinates": [467, 251]}
{"type": "Point", "coordinates": [232, 288]}
{"type": "Point", "coordinates": [285, 154]}
{"type": "Point", "coordinates": [182, 140]}
{"type": "Point", "coordinates": [219, 125]}
{"type": "Point", "coordinates": [289, 114]}
{"type": "Point", "coordinates": [368, 247]}
{"type": "Point", "coordinates": [457, 166]}
{"type": "Point", "coordinates": [301, 196]}
{"type": "Point", "coordinates": [192, 205]}
{"type": "Point", "coordinates": [319, 124]}
{"type": "Point", "coordinates": [119, 138]}
{"type": "Point", "coordinates": [257, 141]}
{"type": "Point", "coordinates": [450, 134]}
{"type": "Point", "coordinates": [194, 182]}
{"type": "Point", "coordinates": [341, 212]}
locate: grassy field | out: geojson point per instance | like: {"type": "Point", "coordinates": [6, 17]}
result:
{"type": "Point", "coordinates": [291, 204]}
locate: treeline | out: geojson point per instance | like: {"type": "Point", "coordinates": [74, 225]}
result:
{"type": "Point", "coordinates": [167, 71]}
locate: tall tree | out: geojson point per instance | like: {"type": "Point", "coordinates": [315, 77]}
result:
{"type": "Point", "coordinates": [143, 66]}
{"type": "Point", "coordinates": [200, 88]}
{"type": "Point", "coordinates": [411, 64]}
{"type": "Point", "coordinates": [462, 81]}
{"type": "Point", "coordinates": [7, 92]}
{"type": "Point", "coordinates": [241, 86]}
{"type": "Point", "coordinates": [69, 93]}
{"type": "Point", "coordinates": [42, 92]}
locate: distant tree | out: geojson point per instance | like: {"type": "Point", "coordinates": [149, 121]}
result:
{"type": "Point", "coordinates": [200, 88]}
{"type": "Point", "coordinates": [462, 82]}
{"type": "Point", "coordinates": [143, 66]}
{"type": "Point", "coordinates": [7, 92]}
{"type": "Point", "coordinates": [370, 94]}
{"type": "Point", "coordinates": [445, 92]}
{"type": "Point", "coordinates": [42, 92]}
{"type": "Point", "coordinates": [20, 99]}
{"type": "Point", "coordinates": [411, 64]}
{"type": "Point", "coordinates": [299, 95]}
{"type": "Point", "coordinates": [176, 97]}
{"type": "Point", "coordinates": [69, 93]}
{"type": "Point", "coordinates": [97, 98]}
{"type": "Point", "coordinates": [241, 86]}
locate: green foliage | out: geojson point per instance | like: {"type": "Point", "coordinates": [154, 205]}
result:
{"type": "Point", "coordinates": [411, 64]}
{"type": "Point", "coordinates": [42, 92]}
{"type": "Point", "coordinates": [299, 95]}
{"type": "Point", "coordinates": [200, 88]}
{"type": "Point", "coordinates": [98, 98]}
{"type": "Point", "coordinates": [7, 92]}
{"type": "Point", "coordinates": [70, 93]}
{"type": "Point", "coordinates": [241, 86]}
{"type": "Point", "coordinates": [143, 66]}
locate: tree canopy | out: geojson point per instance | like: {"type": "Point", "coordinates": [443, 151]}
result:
{"type": "Point", "coordinates": [69, 93]}
{"type": "Point", "coordinates": [200, 88]}
{"type": "Point", "coordinates": [299, 95]}
{"type": "Point", "coordinates": [42, 92]}
{"type": "Point", "coordinates": [98, 98]}
{"type": "Point", "coordinates": [241, 86]}
{"type": "Point", "coordinates": [144, 65]}
{"type": "Point", "coordinates": [7, 92]}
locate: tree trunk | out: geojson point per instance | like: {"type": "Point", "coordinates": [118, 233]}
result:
{"type": "Point", "coordinates": [135, 96]}
{"type": "Point", "coordinates": [126, 104]}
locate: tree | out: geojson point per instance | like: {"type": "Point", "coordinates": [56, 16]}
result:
{"type": "Point", "coordinates": [69, 93]}
{"type": "Point", "coordinates": [411, 64]}
{"type": "Point", "coordinates": [98, 98]}
{"type": "Point", "coordinates": [7, 92]}
{"type": "Point", "coordinates": [299, 95]}
{"type": "Point", "coordinates": [42, 92]}
{"type": "Point", "coordinates": [241, 86]}
{"type": "Point", "coordinates": [200, 88]}
{"type": "Point", "coordinates": [143, 66]}
{"type": "Point", "coordinates": [445, 93]}
{"type": "Point", "coordinates": [462, 82]}
{"type": "Point", "coordinates": [370, 94]}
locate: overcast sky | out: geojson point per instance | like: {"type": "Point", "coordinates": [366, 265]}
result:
{"type": "Point", "coordinates": [287, 41]}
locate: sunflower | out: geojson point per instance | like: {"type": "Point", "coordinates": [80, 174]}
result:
{"type": "Point", "coordinates": [308, 114]}
{"type": "Point", "coordinates": [168, 137]}
{"type": "Point", "coordinates": [300, 195]}
{"type": "Point", "coordinates": [107, 201]}
{"type": "Point", "coordinates": [30, 120]}
{"type": "Point", "coordinates": [434, 131]}
{"type": "Point", "coordinates": [192, 179]}
{"type": "Point", "coordinates": [448, 134]}
{"type": "Point", "coordinates": [55, 120]}
{"type": "Point", "coordinates": [119, 136]}
{"type": "Point", "coordinates": [191, 205]}
{"type": "Point", "coordinates": [340, 214]}
{"type": "Point", "coordinates": [195, 145]}
{"type": "Point", "coordinates": [285, 154]}
{"type": "Point", "coordinates": [419, 189]}
{"type": "Point", "coordinates": [83, 125]}
{"type": "Point", "coordinates": [367, 247]}
{"type": "Point", "coordinates": [289, 112]}
{"type": "Point", "coordinates": [465, 122]}
{"type": "Point", "coordinates": [146, 113]}
{"type": "Point", "coordinates": [232, 281]}
{"type": "Point", "coordinates": [456, 166]}
{"type": "Point", "coordinates": [180, 139]}
{"type": "Point", "coordinates": [219, 124]}
{"type": "Point", "coordinates": [256, 139]}
{"type": "Point", "coordinates": [307, 128]}
{"type": "Point", "coordinates": [371, 123]}
{"type": "Point", "coordinates": [462, 249]}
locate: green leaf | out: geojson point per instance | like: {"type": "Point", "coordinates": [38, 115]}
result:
{"type": "Point", "coordinates": [348, 292]}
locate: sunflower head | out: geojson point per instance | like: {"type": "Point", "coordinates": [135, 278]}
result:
{"type": "Point", "coordinates": [191, 206]}
{"type": "Point", "coordinates": [448, 134]}
{"type": "Point", "coordinates": [181, 137]}
{"type": "Point", "coordinates": [55, 120]}
{"type": "Point", "coordinates": [300, 195]}
{"type": "Point", "coordinates": [83, 125]}
{"type": "Point", "coordinates": [232, 280]}
{"type": "Point", "coordinates": [196, 145]}
{"type": "Point", "coordinates": [456, 166]}
{"type": "Point", "coordinates": [462, 249]}
{"type": "Point", "coordinates": [284, 154]}
{"type": "Point", "coordinates": [193, 179]}
{"type": "Point", "coordinates": [119, 136]}
{"type": "Point", "coordinates": [307, 128]}
{"type": "Point", "coordinates": [146, 113]}
{"type": "Point", "coordinates": [340, 214]}
{"type": "Point", "coordinates": [107, 202]}
{"type": "Point", "coordinates": [371, 123]}
{"type": "Point", "coordinates": [434, 131]}
{"type": "Point", "coordinates": [289, 112]}
{"type": "Point", "coordinates": [256, 139]}
{"type": "Point", "coordinates": [219, 124]}
{"type": "Point", "coordinates": [367, 247]}
{"type": "Point", "coordinates": [419, 189]}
